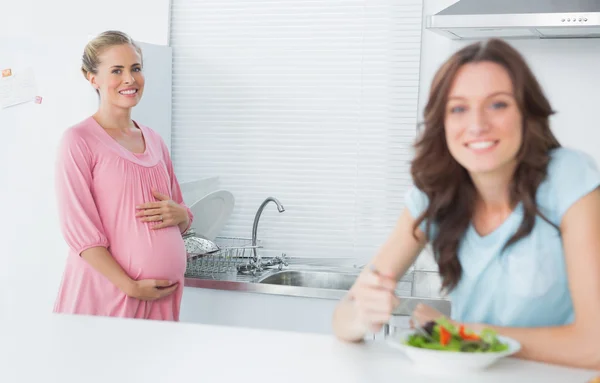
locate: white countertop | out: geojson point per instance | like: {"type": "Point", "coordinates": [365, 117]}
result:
{"type": "Point", "coordinates": [78, 349]}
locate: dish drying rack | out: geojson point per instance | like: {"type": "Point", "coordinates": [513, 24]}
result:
{"type": "Point", "coordinates": [233, 252]}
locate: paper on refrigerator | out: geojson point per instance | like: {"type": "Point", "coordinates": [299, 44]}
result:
{"type": "Point", "coordinates": [18, 88]}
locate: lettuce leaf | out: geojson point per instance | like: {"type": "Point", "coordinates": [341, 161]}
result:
{"type": "Point", "coordinates": [488, 341]}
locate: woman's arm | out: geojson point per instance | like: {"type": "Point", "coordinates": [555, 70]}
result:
{"type": "Point", "coordinates": [103, 262]}
{"type": "Point", "coordinates": [577, 344]}
{"type": "Point", "coordinates": [391, 262]}
{"type": "Point", "coordinates": [147, 289]}
{"type": "Point", "coordinates": [184, 226]}
{"type": "Point", "coordinates": [569, 345]}
{"type": "Point", "coordinates": [79, 218]}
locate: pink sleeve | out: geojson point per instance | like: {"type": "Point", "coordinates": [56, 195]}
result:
{"type": "Point", "coordinates": [176, 194]}
{"type": "Point", "coordinates": [79, 219]}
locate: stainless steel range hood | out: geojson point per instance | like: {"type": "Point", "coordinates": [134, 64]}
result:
{"type": "Point", "coordinates": [533, 19]}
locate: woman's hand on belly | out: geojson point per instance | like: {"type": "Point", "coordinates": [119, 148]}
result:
{"type": "Point", "coordinates": [151, 289]}
{"type": "Point", "coordinates": [166, 212]}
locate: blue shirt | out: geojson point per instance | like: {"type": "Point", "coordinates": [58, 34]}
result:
{"type": "Point", "coordinates": [526, 285]}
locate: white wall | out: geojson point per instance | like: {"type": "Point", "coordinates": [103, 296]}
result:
{"type": "Point", "coordinates": [32, 252]}
{"type": "Point", "coordinates": [146, 21]}
{"type": "Point", "coordinates": [567, 70]}
{"type": "Point", "coordinates": [569, 73]}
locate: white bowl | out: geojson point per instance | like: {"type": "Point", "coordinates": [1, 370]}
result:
{"type": "Point", "coordinates": [447, 360]}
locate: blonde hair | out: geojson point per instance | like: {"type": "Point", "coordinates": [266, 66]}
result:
{"type": "Point", "coordinates": [95, 47]}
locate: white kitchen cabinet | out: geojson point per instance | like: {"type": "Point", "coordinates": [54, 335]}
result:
{"type": "Point", "coordinates": [266, 311]}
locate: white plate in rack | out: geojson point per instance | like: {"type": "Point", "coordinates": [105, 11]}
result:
{"type": "Point", "coordinates": [212, 212]}
{"type": "Point", "coordinates": [193, 191]}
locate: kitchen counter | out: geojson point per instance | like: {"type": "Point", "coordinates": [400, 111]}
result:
{"type": "Point", "coordinates": [65, 349]}
{"type": "Point", "coordinates": [250, 284]}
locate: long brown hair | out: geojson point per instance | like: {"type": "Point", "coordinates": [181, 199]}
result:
{"type": "Point", "coordinates": [447, 184]}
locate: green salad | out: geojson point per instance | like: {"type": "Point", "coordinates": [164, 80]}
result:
{"type": "Point", "coordinates": [444, 336]}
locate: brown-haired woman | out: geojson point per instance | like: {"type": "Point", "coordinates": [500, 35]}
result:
{"type": "Point", "coordinates": [512, 217]}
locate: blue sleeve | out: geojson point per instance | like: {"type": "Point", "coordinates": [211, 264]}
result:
{"type": "Point", "coordinates": [572, 174]}
{"type": "Point", "coordinates": [416, 202]}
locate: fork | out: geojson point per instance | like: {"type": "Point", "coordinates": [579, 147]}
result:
{"type": "Point", "coordinates": [420, 329]}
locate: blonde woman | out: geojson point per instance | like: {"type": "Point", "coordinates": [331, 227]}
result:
{"type": "Point", "coordinates": [120, 205]}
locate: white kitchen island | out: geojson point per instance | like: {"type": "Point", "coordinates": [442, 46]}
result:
{"type": "Point", "coordinates": [59, 348]}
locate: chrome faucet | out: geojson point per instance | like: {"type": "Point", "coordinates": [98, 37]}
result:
{"type": "Point", "coordinates": [256, 264]}
{"type": "Point", "coordinates": [257, 218]}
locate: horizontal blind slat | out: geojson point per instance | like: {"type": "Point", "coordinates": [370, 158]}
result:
{"type": "Point", "coordinates": [311, 101]}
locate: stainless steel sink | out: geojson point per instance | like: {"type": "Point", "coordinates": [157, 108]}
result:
{"type": "Point", "coordinates": [323, 284]}
{"type": "Point", "coordinates": [312, 279]}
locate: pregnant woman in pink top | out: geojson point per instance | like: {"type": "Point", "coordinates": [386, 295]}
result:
{"type": "Point", "coordinates": [120, 205]}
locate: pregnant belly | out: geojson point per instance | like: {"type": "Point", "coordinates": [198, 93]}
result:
{"type": "Point", "coordinates": [152, 254]}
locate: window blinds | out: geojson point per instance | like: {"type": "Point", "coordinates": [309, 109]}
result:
{"type": "Point", "coordinates": [313, 102]}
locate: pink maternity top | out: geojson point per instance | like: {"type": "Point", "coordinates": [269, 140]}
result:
{"type": "Point", "coordinates": [99, 183]}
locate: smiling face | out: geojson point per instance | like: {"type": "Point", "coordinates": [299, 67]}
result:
{"type": "Point", "coordinates": [483, 123]}
{"type": "Point", "coordinates": [119, 77]}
